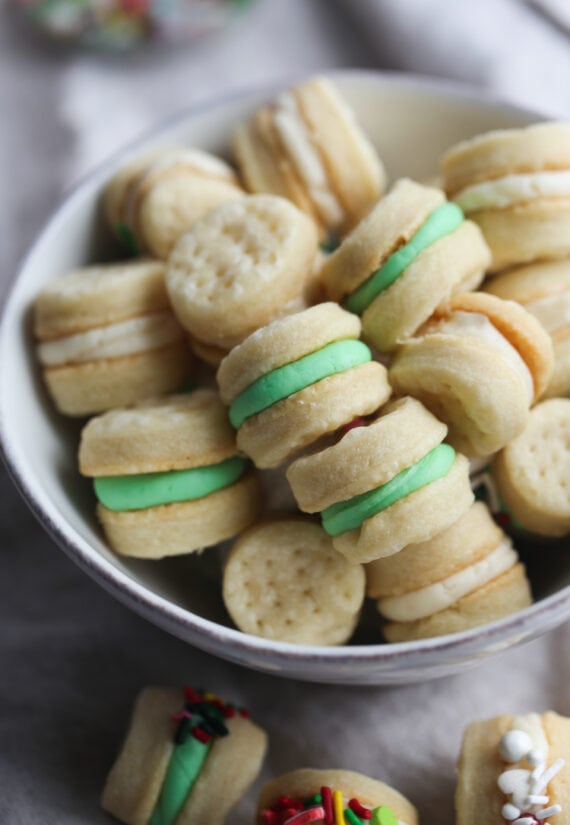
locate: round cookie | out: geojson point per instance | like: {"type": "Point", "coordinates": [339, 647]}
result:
{"type": "Point", "coordinates": [107, 337]}
{"type": "Point", "coordinates": [411, 253]}
{"type": "Point", "coordinates": [544, 290]}
{"type": "Point", "coordinates": [156, 198]}
{"type": "Point", "coordinates": [298, 379]}
{"type": "Point", "coordinates": [532, 472]}
{"type": "Point", "coordinates": [237, 268]}
{"type": "Point", "coordinates": [307, 146]}
{"type": "Point", "coordinates": [167, 476]}
{"type": "Point", "coordinates": [385, 485]}
{"type": "Point", "coordinates": [515, 769]}
{"type": "Point", "coordinates": [515, 184]}
{"type": "Point", "coordinates": [283, 580]}
{"type": "Point", "coordinates": [479, 364]}
{"type": "Point", "coordinates": [188, 757]}
{"type": "Point", "coordinates": [421, 589]}
{"type": "Point", "coordinates": [332, 796]}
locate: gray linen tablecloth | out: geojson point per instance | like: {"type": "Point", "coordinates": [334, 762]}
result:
{"type": "Point", "coordinates": [71, 658]}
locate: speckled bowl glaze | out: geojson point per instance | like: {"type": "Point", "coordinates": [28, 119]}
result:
{"type": "Point", "coordinates": [411, 121]}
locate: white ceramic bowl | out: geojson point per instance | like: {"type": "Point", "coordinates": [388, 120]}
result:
{"type": "Point", "coordinates": [411, 121]}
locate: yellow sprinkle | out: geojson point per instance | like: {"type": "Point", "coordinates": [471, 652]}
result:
{"type": "Point", "coordinates": [338, 808]}
{"type": "Point", "coordinates": [210, 697]}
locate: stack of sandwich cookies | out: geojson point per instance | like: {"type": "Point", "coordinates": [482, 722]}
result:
{"type": "Point", "coordinates": [108, 337]}
{"type": "Point", "coordinates": [479, 364]}
{"type": "Point", "coordinates": [410, 254]}
{"type": "Point", "coordinates": [168, 476]}
{"type": "Point", "coordinates": [298, 379]}
{"type": "Point", "coordinates": [515, 183]}
{"type": "Point", "coordinates": [332, 797]}
{"type": "Point", "coordinates": [307, 146]}
{"type": "Point", "coordinates": [239, 267]}
{"type": "Point", "coordinates": [544, 290]}
{"type": "Point", "coordinates": [284, 580]}
{"type": "Point", "coordinates": [188, 757]}
{"type": "Point", "coordinates": [154, 200]}
{"type": "Point", "coordinates": [515, 770]}
{"type": "Point", "coordinates": [385, 485]}
{"type": "Point", "coordinates": [532, 473]}
{"type": "Point", "coordinates": [466, 576]}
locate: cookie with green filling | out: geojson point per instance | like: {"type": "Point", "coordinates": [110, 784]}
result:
{"type": "Point", "coordinates": [409, 254]}
{"type": "Point", "coordinates": [298, 379]}
{"type": "Point", "coordinates": [168, 476]}
{"type": "Point", "coordinates": [385, 484]}
{"type": "Point", "coordinates": [188, 757]}
{"type": "Point", "coordinates": [332, 796]}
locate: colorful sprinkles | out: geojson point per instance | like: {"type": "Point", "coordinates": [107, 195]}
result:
{"type": "Point", "coordinates": [202, 715]}
{"type": "Point", "coordinates": [327, 807]}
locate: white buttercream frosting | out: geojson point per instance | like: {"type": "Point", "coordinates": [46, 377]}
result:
{"type": "Point", "coordinates": [553, 311]}
{"type": "Point", "coordinates": [512, 189]}
{"type": "Point", "coordinates": [418, 604]}
{"type": "Point", "coordinates": [476, 325]}
{"type": "Point", "coordinates": [112, 341]}
{"type": "Point", "coordinates": [295, 137]}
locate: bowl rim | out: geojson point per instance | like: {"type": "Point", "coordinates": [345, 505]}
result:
{"type": "Point", "coordinates": [205, 633]}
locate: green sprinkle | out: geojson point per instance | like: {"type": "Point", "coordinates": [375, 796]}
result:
{"type": "Point", "coordinates": [313, 800]}
{"type": "Point", "coordinates": [127, 238]}
{"type": "Point", "coordinates": [351, 817]}
{"type": "Point", "coordinates": [347, 515]}
{"type": "Point", "coordinates": [383, 816]}
{"type": "Point", "coordinates": [137, 492]}
{"type": "Point", "coordinates": [283, 381]}
{"type": "Point", "coordinates": [442, 221]}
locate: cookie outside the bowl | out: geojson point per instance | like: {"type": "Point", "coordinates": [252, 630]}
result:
{"type": "Point", "coordinates": [188, 757]}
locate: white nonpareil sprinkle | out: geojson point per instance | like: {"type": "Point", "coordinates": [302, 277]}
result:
{"type": "Point", "coordinates": [554, 809]}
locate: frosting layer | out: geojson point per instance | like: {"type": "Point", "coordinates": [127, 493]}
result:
{"type": "Point", "coordinates": [283, 381]}
{"type": "Point", "coordinates": [137, 492]}
{"type": "Point", "coordinates": [442, 221]}
{"type": "Point", "coordinates": [511, 189]}
{"type": "Point", "coordinates": [113, 341]}
{"type": "Point", "coordinates": [183, 770]}
{"type": "Point", "coordinates": [348, 515]}
{"type": "Point", "coordinates": [418, 604]}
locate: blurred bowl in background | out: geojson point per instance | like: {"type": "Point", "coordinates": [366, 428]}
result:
{"type": "Point", "coordinates": [411, 121]}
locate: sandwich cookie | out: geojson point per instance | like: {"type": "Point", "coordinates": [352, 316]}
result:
{"type": "Point", "coordinates": [308, 147]}
{"type": "Point", "coordinates": [283, 580]}
{"type": "Point", "coordinates": [478, 365]}
{"type": "Point", "coordinates": [239, 266]}
{"type": "Point", "coordinates": [188, 757]}
{"type": "Point", "coordinates": [466, 576]}
{"type": "Point", "coordinates": [532, 473]}
{"type": "Point", "coordinates": [108, 337]}
{"type": "Point", "coordinates": [155, 199]}
{"type": "Point", "coordinates": [168, 476]}
{"type": "Point", "coordinates": [298, 379]}
{"type": "Point", "coordinates": [515, 184]}
{"type": "Point", "coordinates": [544, 290]}
{"type": "Point", "coordinates": [385, 485]}
{"type": "Point", "coordinates": [411, 253]}
{"type": "Point", "coordinates": [515, 770]}
{"type": "Point", "coordinates": [332, 797]}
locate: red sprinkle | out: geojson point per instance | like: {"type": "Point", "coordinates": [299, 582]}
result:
{"type": "Point", "coordinates": [245, 713]}
{"type": "Point", "coordinates": [289, 802]}
{"type": "Point", "coordinates": [302, 817]}
{"type": "Point", "coordinates": [229, 712]}
{"type": "Point", "coordinates": [326, 795]}
{"type": "Point", "coordinates": [191, 694]}
{"type": "Point", "coordinates": [201, 735]}
{"type": "Point", "coordinates": [356, 422]}
{"type": "Point", "coordinates": [363, 813]}
{"type": "Point", "coordinates": [269, 817]}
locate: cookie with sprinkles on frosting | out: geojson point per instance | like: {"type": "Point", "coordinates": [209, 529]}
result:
{"type": "Point", "coordinates": [332, 797]}
{"type": "Point", "coordinates": [188, 758]}
{"type": "Point", "coordinates": [515, 770]}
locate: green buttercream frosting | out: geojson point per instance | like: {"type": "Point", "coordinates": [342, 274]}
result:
{"type": "Point", "coordinates": [127, 238]}
{"type": "Point", "coordinates": [137, 492]}
{"type": "Point", "coordinates": [283, 381]}
{"type": "Point", "coordinates": [383, 816]}
{"type": "Point", "coordinates": [183, 770]}
{"type": "Point", "coordinates": [442, 221]}
{"type": "Point", "coordinates": [348, 515]}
